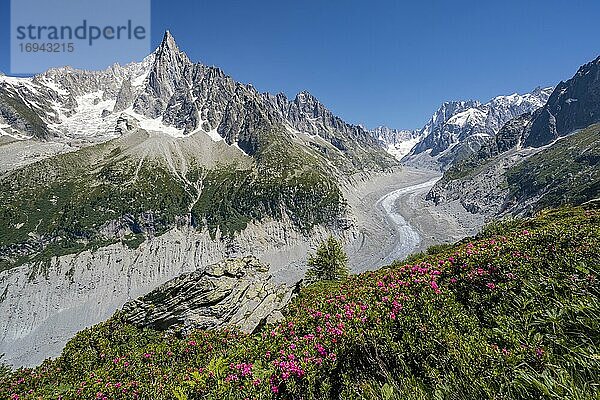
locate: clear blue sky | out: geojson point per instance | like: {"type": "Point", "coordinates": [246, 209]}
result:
{"type": "Point", "coordinates": [381, 62]}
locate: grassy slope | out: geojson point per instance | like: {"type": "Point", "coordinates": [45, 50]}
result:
{"type": "Point", "coordinates": [566, 173]}
{"type": "Point", "coordinates": [59, 205]}
{"type": "Point", "coordinates": [285, 180]}
{"type": "Point", "coordinates": [514, 313]}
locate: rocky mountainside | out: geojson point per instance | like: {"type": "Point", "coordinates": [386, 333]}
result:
{"type": "Point", "coordinates": [167, 92]}
{"type": "Point", "coordinates": [459, 129]}
{"type": "Point", "coordinates": [574, 104]}
{"type": "Point", "coordinates": [541, 159]}
{"type": "Point", "coordinates": [157, 168]}
{"type": "Point", "coordinates": [397, 142]}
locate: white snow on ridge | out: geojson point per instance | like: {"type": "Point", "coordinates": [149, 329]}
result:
{"type": "Point", "coordinates": [401, 149]}
{"type": "Point", "coordinates": [15, 81]}
{"type": "Point", "coordinates": [52, 85]}
{"type": "Point", "coordinates": [6, 130]}
{"type": "Point", "coordinates": [470, 116]}
{"type": "Point", "coordinates": [139, 80]}
{"type": "Point", "coordinates": [87, 121]}
{"type": "Point", "coordinates": [214, 135]}
{"type": "Point", "coordinates": [155, 125]}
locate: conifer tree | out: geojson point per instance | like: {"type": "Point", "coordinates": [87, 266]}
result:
{"type": "Point", "coordinates": [330, 263]}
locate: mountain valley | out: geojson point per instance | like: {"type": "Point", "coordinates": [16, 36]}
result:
{"type": "Point", "coordinates": [158, 208]}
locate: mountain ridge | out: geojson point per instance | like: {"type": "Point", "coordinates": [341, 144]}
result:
{"type": "Point", "coordinates": [166, 91]}
{"type": "Point", "coordinates": [460, 128]}
{"type": "Point", "coordinates": [539, 159]}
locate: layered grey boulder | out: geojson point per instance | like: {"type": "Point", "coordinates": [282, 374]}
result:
{"type": "Point", "coordinates": [234, 292]}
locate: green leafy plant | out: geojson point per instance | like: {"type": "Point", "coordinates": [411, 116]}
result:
{"type": "Point", "coordinates": [329, 263]}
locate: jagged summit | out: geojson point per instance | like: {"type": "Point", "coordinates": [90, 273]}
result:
{"type": "Point", "coordinates": [574, 104]}
{"type": "Point", "coordinates": [166, 73]}
{"type": "Point", "coordinates": [168, 93]}
{"type": "Point", "coordinates": [460, 128]}
{"type": "Point", "coordinates": [169, 47]}
{"type": "Point", "coordinates": [304, 97]}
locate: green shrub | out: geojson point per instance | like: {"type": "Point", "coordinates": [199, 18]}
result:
{"type": "Point", "coordinates": [329, 263]}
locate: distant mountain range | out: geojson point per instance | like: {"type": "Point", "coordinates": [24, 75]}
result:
{"type": "Point", "coordinates": [543, 158]}
{"type": "Point", "coordinates": [498, 157]}
{"type": "Point", "coordinates": [458, 129]}
{"type": "Point", "coordinates": [167, 92]}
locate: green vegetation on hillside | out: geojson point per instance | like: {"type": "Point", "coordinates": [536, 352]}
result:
{"type": "Point", "coordinates": [566, 173]}
{"type": "Point", "coordinates": [60, 206]}
{"type": "Point", "coordinates": [511, 314]}
{"type": "Point", "coordinates": [286, 181]}
{"type": "Point", "coordinates": [82, 200]}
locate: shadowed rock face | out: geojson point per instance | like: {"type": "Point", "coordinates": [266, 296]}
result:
{"type": "Point", "coordinates": [510, 134]}
{"type": "Point", "coordinates": [574, 104]}
{"type": "Point", "coordinates": [234, 292]}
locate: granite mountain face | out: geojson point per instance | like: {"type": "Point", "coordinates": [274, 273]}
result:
{"type": "Point", "coordinates": [543, 158]}
{"type": "Point", "coordinates": [459, 129]}
{"type": "Point", "coordinates": [397, 142]}
{"type": "Point", "coordinates": [168, 91]}
{"type": "Point", "coordinates": [116, 181]}
{"type": "Point", "coordinates": [573, 105]}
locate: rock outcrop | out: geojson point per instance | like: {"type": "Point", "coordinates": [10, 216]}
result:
{"type": "Point", "coordinates": [234, 292]}
{"type": "Point", "coordinates": [574, 104]}
{"type": "Point", "coordinates": [44, 304]}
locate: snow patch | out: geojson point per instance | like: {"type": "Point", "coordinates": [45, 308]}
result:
{"type": "Point", "coordinates": [87, 121]}
{"type": "Point", "coordinates": [213, 134]}
{"type": "Point", "coordinates": [155, 125]}
{"type": "Point", "coordinates": [470, 116]}
{"type": "Point", "coordinates": [401, 149]}
{"type": "Point", "coordinates": [139, 80]}
{"type": "Point", "coordinates": [7, 130]}
{"type": "Point", "coordinates": [55, 87]}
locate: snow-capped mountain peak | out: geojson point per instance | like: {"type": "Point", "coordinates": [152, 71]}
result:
{"type": "Point", "coordinates": [168, 93]}
{"type": "Point", "coordinates": [458, 128]}
{"type": "Point", "coordinates": [397, 142]}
